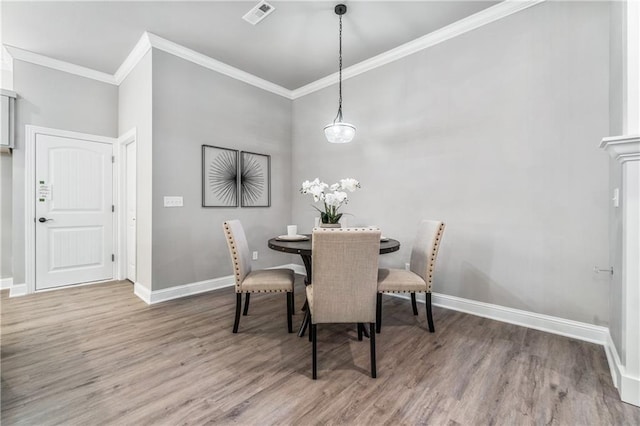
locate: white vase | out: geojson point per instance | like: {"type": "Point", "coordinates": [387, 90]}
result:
{"type": "Point", "coordinates": [330, 225]}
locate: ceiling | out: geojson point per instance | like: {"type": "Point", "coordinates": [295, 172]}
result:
{"type": "Point", "coordinates": [293, 46]}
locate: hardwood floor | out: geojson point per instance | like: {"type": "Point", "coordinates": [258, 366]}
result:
{"type": "Point", "coordinates": [99, 355]}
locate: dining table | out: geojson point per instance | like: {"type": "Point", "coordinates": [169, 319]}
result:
{"type": "Point", "coordinates": [303, 246]}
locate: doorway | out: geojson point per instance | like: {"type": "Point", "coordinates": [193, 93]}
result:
{"type": "Point", "coordinates": [130, 209]}
{"type": "Point", "coordinates": [72, 209]}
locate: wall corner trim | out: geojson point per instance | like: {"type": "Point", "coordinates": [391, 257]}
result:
{"type": "Point", "coordinates": [56, 64]}
{"type": "Point", "coordinates": [142, 292]}
{"type": "Point", "coordinates": [137, 53]}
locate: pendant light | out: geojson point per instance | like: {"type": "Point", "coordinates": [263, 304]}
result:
{"type": "Point", "coordinates": [339, 131]}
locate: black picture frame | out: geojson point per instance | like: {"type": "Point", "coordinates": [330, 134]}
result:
{"type": "Point", "coordinates": [255, 179]}
{"type": "Point", "coordinates": [219, 176]}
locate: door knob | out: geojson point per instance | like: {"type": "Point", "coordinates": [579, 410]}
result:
{"type": "Point", "coordinates": [43, 220]}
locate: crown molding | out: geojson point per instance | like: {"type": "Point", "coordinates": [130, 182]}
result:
{"type": "Point", "coordinates": [149, 40]}
{"type": "Point", "coordinates": [215, 65]}
{"type": "Point", "coordinates": [622, 148]}
{"type": "Point", "coordinates": [139, 50]}
{"type": "Point", "coordinates": [484, 17]}
{"type": "Point", "coordinates": [56, 64]}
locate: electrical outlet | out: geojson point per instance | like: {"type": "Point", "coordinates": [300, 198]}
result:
{"type": "Point", "coordinates": [255, 255]}
{"type": "Point", "coordinates": [173, 202]}
{"type": "Point", "coordinates": [406, 266]}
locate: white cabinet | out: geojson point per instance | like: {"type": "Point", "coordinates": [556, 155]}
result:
{"type": "Point", "coordinates": [7, 119]}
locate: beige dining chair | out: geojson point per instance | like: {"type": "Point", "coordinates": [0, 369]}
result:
{"type": "Point", "coordinates": [419, 277]}
{"type": "Point", "coordinates": [259, 281]}
{"type": "Point", "coordinates": [344, 282]}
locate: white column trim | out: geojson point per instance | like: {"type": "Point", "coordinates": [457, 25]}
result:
{"type": "Point", "coordinates": [631, 101]}
{"type": "Point", "coordinates": [626, 150]}
{"type": "Point", "coordinates": [622, 148]}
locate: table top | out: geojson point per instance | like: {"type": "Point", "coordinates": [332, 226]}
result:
{"type": "Point", "coordinates": [304, 247]}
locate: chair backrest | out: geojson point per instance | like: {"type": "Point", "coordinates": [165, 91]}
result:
{"type": "Point", "coordinates": [425, 249]}
{"type": "Point", "coordinates": [345, 274]}
{"type": "Point", "coordinates": [238, 249]}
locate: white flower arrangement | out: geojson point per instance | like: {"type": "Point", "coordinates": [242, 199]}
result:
{"type": "Point", "coordinates": [333, 196]}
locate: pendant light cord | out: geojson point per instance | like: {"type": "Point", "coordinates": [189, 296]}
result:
{"type": "Point", "coordinates": [339, 116]}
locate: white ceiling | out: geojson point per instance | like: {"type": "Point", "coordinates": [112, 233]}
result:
{"type": "Point", "coordinates": [295, 45]}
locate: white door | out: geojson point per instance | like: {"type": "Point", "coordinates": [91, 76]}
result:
{"type": "Point", "coordinates": [74, 219]}
{"type": "Point", "coordinates": [131, 210]}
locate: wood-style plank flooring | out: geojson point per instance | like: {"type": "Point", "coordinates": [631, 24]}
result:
{"type": "Point", "coordinates": [99, 355]}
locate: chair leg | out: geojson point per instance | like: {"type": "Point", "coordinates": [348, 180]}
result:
{"type": "Point", "coordinates": [379, 313]}
{"type": "Point", "coordinates": [289, 311]}
{"type": "Point", "coordinates": [360, 331]}
{"type": "Point", "coordinates": [238, 309]}
{"type": "Point", "coordinates": [372, 341]}
{"type": "Point", "coordinates": [293, 302]}
{"type": "Point", "coordinates": [413, 303]}
{"type": "Point", "coordinates": [246, 304]}
{"type": "Point", "coordinates": [429, 313]}
{"type": "Point", "coordinates": [314, 353]}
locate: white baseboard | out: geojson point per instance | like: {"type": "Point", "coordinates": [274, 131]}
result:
{"type": "Point", "coordinates": [614, 361]}
{"type": "Point", "coordinates": [18, 290]}
{"type": "Point", "coordinates": [628, 386]}
{"type": "Point", "coordinates": [151, 297]}
{"type": "Point", "coordinates": [563, 327]}
{"type": "Point", "coordinates": [6, 283]}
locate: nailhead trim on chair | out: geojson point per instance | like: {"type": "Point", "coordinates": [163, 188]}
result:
{"type": "Point", "coordinates": [432, 264]}
{"type": "Point", "coordinates": [236, 268]}
{"type": "Point", "coordinates": [234, 254]}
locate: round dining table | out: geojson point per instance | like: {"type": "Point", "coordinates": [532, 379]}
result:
{"type": "Point", "coordinates": [305, 247]}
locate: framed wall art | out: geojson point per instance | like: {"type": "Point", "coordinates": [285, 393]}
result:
{"type": "Point", "coordinates": [219, 177]}
{"type": "Point", "coordinates": [255, 179]}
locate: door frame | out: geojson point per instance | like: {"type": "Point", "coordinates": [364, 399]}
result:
{"type": "Point", "coordinates": [31, 133]}
{"type": "Point", "coordinates": [120, 176]}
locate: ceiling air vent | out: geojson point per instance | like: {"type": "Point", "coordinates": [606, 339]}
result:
{"type": "Point", "coordinates": [258, 12]}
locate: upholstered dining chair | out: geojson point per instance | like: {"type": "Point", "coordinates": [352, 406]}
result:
{"type": "Point", "coordinates": [344, 282]}
{"type": "Point", "coordinates": [259, 281]}
{"type": "Point", "coordinates": [419, 277]}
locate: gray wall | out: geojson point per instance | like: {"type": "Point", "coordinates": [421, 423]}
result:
{"type": "Point", "coordinates": [135, 111]}
{"type": "Point", "coordinates": [5, 215]}
{"type": "Point", "coordinates": [495, 132]}
{"type": "Point", "coordinates": [58, 100]}
{"type": "Point", "coordinates": [616, 112]}
{"type": "Point", "coordinates": [193, 106]}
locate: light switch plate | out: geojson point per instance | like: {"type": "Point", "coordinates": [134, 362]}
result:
{"type": "Point", "coordinates": [173, 202]}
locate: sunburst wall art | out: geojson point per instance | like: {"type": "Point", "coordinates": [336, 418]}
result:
{"type": "Point", "coordinates": [219, 177]}
{"type": "Point", "coordinates": [255, 179]}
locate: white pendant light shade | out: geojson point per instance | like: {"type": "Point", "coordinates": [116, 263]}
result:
{"type": "Point", "coordinates": [340, 132]}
